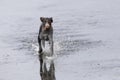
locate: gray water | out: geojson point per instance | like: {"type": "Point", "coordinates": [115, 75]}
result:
{"type": "Point", "coordinates": [86, 39]}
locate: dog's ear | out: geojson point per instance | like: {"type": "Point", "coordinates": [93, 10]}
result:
{"type": "Point", "coordinates": [51, 19]}
{"type": "Point", "coordinates": [41, 19]}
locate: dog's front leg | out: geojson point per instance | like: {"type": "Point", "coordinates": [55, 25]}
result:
{"type": "Point", "coordinates": [39, 42]}
{"type": "Point", "coordinates": [43, 43]}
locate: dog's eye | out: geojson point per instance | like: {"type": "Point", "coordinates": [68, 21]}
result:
{"type": "Point", "coordinates": [45, 21]}
{"type": "Point", "coordinates": [49, 22]}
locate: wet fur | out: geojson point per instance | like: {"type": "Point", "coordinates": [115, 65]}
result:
{"type": "Point", "coordinates": [45, 34]}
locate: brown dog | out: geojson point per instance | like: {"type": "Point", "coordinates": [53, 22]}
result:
{"type": "Point", "coordinates": [45, 33]}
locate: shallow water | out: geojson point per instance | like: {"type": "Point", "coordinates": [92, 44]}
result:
{"type": "Point", "coordinates": [86, 39]}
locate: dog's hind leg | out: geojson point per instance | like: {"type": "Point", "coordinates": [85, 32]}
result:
{"type": "Point", "coordinates": [51, 48]}
{"type": "Point", "coordinates": [51, 45]}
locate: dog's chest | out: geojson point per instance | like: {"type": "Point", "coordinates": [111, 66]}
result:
{"type": "Point", "coordinates": [44, 36]}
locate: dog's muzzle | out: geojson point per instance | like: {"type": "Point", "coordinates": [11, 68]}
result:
{"type": "Point", "coordinates": [47, 26]}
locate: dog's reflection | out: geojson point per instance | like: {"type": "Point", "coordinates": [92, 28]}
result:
{"type": "Point", "coordinates": [46, 73]}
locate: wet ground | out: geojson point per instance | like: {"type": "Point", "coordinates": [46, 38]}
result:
{"type": "Point", "coordinates": [86, 40]}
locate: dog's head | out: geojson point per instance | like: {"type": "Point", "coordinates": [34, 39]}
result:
{"type": "Point", "coordinates": [46, 22]}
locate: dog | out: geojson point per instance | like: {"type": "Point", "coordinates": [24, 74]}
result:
{"type": "Point", "coordinates": [45, 33]}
